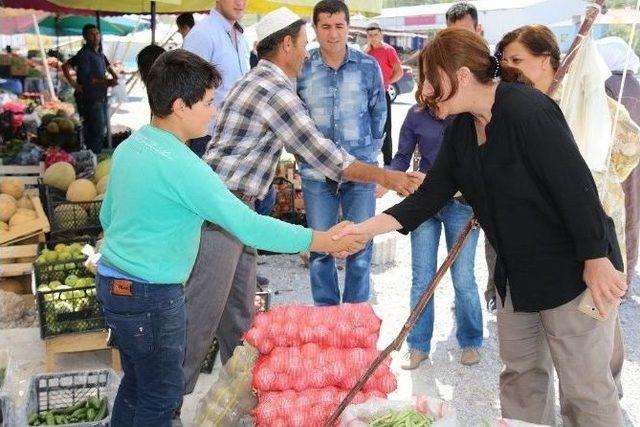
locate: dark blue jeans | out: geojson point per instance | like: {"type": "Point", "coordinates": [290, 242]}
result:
{"type": "Point", "coordinates": [94, 123]}
{"type": "Point", "coordinates": [358, 203]}
{"type": "Point", "coordinates": [149, 329]}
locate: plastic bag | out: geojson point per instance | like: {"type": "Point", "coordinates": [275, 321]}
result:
{"type": "Point", "coordinates": [361, 414]}
{"type": "Point", "coordinates": [230, 398]}
{"type": "Point", "coordinates": [585, 105]}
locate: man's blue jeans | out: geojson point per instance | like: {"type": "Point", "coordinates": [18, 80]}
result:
{"type": "Point", "coordinates": [322, 204]}
{"type": "Point", "coordinates": [94, 123]}
{"type": "Point", "coordinates": [149, 328]}
{"type": "Point", "coordinates": [424, 258]}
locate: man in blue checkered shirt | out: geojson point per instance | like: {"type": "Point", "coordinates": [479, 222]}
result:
{"type": "Point", "coordinates": [261, 115]}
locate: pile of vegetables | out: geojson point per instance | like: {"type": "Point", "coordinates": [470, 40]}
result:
{"type": "Point", "coordinates": [91, 409]}
{"type": "Point", "coordinates": [406, 418]}
{"type": "Point", "coordinates": [310, 358]}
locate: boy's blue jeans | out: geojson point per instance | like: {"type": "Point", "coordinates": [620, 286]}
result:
{"type": "Point", "coordinates": [424, 259]}
{"type": "Point", "coordinates": [149, 328]}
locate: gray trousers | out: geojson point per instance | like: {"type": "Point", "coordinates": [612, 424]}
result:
{"type": "Point", "coordinates": [580, 348]}
{"type": "Point", "coordinates": [631, 189]}
{"type": "Point", "coordinates": [220, 298]}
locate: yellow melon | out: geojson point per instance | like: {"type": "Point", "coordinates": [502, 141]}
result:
{"type": "Point", "coordinates": [102, 184]}
{"type": "Point", "coordinates": [59, 175]}
{"type": "Point", "coordinates": [12, 186]}
{"type": "Point", "coordinates": [102, 169]}
{"type": "Point", "coordinates": [25, 202]}
{"type": "Point", "coordinates": [81, 190]}
{"type": "Point", "coordinates": [21, 216]}
{"type": "Point", "coordinates": [8, 207]}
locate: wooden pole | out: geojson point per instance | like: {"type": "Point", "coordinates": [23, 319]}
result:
{"type": "Point", "coordinates": [591, 14]}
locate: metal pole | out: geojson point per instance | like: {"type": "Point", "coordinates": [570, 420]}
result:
{"type": "Point", "coordinates": [153, 22]}
{"type": "Point", "coordinates": [44, 57]}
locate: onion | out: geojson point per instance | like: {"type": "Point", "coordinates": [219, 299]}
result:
{"type": "Point", "coordinates": [298, 418]}
{"type": "Point", "coordinates": [388, 383]}
{"type": "Point", "coordinates": [265, 346]}
{"type": "Point", "coordinates": [265, 414]}
{"type": "Point", "coordinates": [264, 379]}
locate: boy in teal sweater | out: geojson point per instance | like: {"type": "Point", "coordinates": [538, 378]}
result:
{"type": "Point", "coordinates": [159, 193]}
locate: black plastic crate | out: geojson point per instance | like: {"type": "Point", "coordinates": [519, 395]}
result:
{"type": "Point", "coordinates": [69, 219]}
{"type": "Point", "coordinates": [51, 245]}
{"type": "Point", "coordinates": [61, 390]}
{"type": "Point", "coordinates": [67, 310]}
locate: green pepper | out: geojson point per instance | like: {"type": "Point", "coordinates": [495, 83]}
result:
{"type": "Point", "coordinates": [33, 418]}
{"type": "Point", "coordinates": [71, 409]}
{"type": "Point", "coordinates": [50, 419]}
{"type": "Point", "coordinates": [94, 402]}
{"type": "Point", "coordinates": [104, 410]}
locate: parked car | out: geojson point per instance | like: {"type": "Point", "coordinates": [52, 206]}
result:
{"type": "Point", "coordinates": [404, 85]}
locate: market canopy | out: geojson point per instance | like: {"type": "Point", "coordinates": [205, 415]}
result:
{"type": "Point", "coordinates": [301, 7]}
{"type": "Point", "coordinates": [72, 26]}
{"type": "Point", "coordinates": [45, 6]}
{"type": "Point", "coordinates": [14, 21]}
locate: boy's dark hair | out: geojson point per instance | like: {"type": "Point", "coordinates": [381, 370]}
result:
{"type": "Point", "coordinates": [145, 59]}
{"type": "Point", "coordinates": [269, 46]}
{"type": "Point", "coordinates": [330, 7]}
{"type": "Point", "coordinates": [86, 29]}
{"type": "Point", "coordinates": [179, 74]}
{"type": "Point", "coordinates": [185, 20]}
{"type": "Point", "coordinates": [373, 27]}
{"type": "Point", "coordinates": [459, 10]}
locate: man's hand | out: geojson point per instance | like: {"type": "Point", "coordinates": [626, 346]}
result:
{"type": "Point", "coordinates": [607, 284]}
{"type": "Point", "coordinates": [417, 176]}
{"type": "Point", "coordinates": [400, 182]}
{"type": "Point", "coordinates": [350, 243]}
{"type": "Point", "coordinates": [380, 191]}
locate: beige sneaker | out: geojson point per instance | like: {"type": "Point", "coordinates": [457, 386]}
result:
{"type": "Point", "coordinates": [414, 359]}
{"type": "Point", "coordinates": [470, 356]}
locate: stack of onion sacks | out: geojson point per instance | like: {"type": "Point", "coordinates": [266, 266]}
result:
{"type": "Point", "coordinates": [310, 358]}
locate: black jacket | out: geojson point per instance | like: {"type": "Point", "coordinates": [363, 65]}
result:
{"type": "Point", "coordinates": [532, 193]}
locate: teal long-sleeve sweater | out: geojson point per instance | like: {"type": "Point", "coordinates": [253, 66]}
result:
{"type": "Point", "coordinates": [158, 195]}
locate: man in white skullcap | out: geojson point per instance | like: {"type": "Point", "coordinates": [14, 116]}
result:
{"type": "Point", "coordinates": [261, 115]}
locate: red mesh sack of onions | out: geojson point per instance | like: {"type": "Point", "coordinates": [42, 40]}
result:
{"type": "Point", "coordinates": [314, 367]}
{"type": "Point", "coordinates": [341, 326]}
{"type": "Point", "coordinates": [308, 408]}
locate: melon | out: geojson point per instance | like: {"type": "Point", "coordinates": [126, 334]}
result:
{"type": "Point", "coordinates": [25, 202]}
{"type": "Point", "coordinates": [102, 184]}
{"type": "Point", "coordinates": [102, 169]}
{"type": "Point", "coordinates": [4, 226]}
{"type": "Point", "coordinates": [8, 207]}
{"type": "Point", "coordinates": [21, 216]}
{"type": "Point", "coordinates": [59, 175]}
{"type": "Point", "coordinates": [81, 190]}
{"type": "Point", "coordinates": [13, 187]}
{"type": "Point", "coordinates": [70, 216]}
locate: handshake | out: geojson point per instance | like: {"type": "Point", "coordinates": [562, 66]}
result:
{"type": "Point", "coordinates": [341, 240]}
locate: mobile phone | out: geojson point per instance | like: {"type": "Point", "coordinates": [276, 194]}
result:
{"type": "Point", "coordinates": [588, 307]}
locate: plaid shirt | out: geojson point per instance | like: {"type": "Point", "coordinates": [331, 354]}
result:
{"type": "Point", "coordinates": [261, 115]}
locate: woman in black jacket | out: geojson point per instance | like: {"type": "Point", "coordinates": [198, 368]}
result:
{"type": "Point", "coordinates": [511, 154]}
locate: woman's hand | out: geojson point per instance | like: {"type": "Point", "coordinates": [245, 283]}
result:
{"type": "Point", "coordinates": [607, 284]}
{"type": "Point", "coordinates": [323, 241]}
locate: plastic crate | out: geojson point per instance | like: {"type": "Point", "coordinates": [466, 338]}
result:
{"type": "Point", "coordinates": [61, 390]}
{"type": "Point", "coordinates": [69, 219]}
{"type": "Point", "coordinates": [63, 311]}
